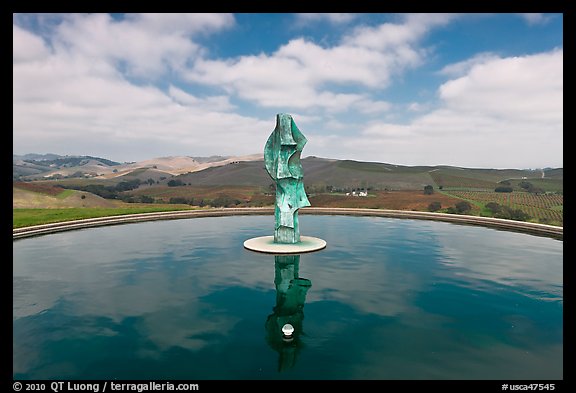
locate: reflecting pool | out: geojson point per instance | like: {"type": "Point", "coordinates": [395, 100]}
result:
{"type": "Point", "coordinates": [387, 299]}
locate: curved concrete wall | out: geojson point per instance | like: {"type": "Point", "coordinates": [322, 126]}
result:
{"type": "Point", "coordinates": [527, 227]}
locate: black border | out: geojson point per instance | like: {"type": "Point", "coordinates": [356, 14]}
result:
{"type": "Point", "coordinates": [268, 6]}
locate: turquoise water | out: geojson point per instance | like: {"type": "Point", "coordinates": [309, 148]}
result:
{"type": "Point", "coordinates": [387, 299]}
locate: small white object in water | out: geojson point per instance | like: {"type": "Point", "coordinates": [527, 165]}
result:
{"type": "Point", "coordinates": [287, 330]}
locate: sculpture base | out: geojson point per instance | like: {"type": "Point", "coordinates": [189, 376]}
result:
{"type": "Point", "coordinates": [266, 244]}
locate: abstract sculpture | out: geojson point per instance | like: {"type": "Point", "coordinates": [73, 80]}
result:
{"type": "Point", "coordinates": [282, 160]}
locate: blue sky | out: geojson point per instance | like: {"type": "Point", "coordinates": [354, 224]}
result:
{"type": "Point", "coordinates": [471, 90]}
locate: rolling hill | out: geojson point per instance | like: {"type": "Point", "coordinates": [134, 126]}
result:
{"type": "Point", "coordinates": [51, 166]}
{"type": "Point", "coordinates": [348, 174]}
{"type": "Point", "coordinates": [29, 196]}
{"type": "Point", "coordinates": [216, 181]}
{"type": "Point", "coordinates": [37, 166]}
{"type": "Point", "coordinates": [249, 171]}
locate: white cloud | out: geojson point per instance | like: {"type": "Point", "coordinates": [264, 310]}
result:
{"type": "Point", "coordinates": [397, 36]}
{"type": "Point", "coordinates": [75, 100]}
{"type": "Point", "coordinates": [508, 109]}
{"type": "Point", "coordinates": [183, 24]}
{"type": "Point", "coordinates": [213, 103]}
{"type": "Point", "coordinates": [534, 18]}
{"type": "Point", "coordinates": [330, 17]}
{"type": "Point", "coordinates": [302, 74]}
{"type": "Point", "coordinates": [528, 88]}
{"type": "Point", "coordinates": [27, 46]}
{"type": "Point", "coordinates": [74, 92]}
{"type": "Point", "coordinates": [388, 130]}
{"type": "Point", "coordinates": [462, 67]}
{"type": "Point", "coordinates": [417, 107]}
{"type": "Point", "coordinates": [133, 119]}
{"type": "Point", "coordinates": [146, 44]}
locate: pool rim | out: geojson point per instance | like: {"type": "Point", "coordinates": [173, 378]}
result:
{"type": "Point", "coordinates": [498, 223]}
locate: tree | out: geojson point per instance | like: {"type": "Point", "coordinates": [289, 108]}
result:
{"type": "Point", "coordinates": [503, 189]}
{"type": "Point", "coordinates": [493, 207]}
{"type": "Point", "coordinates": [434, 206]}
{"type": "Point", "coordinates": [224, 201]}
{"type": "Point", "coordinates": [179, 200]}
{"type": "Point", "coordinates": [530, 187]}
{"type": "Point", "coordinates": [463, 207]}
{"type": "Point", "coordinates": [512, 214]}
{"type": "Point", "coordinates": [428, 190]}
{"type": "Point", "coordinates": [519, 215]}
{"type": "Point", "coordinates": [175, 183]}
{"type": "Point", "coordinates": [537, 190]}
{"type": "Point", "coordinates": [127, 185]}
{"type": "Point", "coordinates": [146, 199]}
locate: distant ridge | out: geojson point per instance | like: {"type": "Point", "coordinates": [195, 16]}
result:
{"type": "Point", "coordinates": [322, 172]}
{"type": "Point", "coordinates": [249, 171]}
{"type": "Point", "coordinates": [37, 157]}
{"type": "Point", "coordinates": [44, 166]}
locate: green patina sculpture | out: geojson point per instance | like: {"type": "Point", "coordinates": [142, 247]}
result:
{"type": "Point", "coordinates": [282, 160]}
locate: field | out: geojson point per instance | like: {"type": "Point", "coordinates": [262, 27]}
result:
{"type": "Point", "coordinates": [246, 184]}
{"type": "Point", "coordinates": [446, 181]}
{"type": "Point", "coordinates": [37, 203]}
{"type": "Point", "coordinates": [228, 196]}
{"type": "Point", "coordinates": [41, 188]}
{"type": "Point", "coordinates": [547, 185]}
{"type": "Point", "coordinates": [30, 195]}
{"type": "Point", "coordinates": [396, 200]}
{"type": "Point", "coordinates": [545, 208]}
{"type": "Point", "coordinates": [164, 193]}
{"type": "Point", "coordinates": [488, 180]}
{"type": "Point", "coordinates": [27, 217]}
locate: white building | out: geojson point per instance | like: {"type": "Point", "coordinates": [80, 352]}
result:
{"type": "Point", "coordinates": [363, 193]}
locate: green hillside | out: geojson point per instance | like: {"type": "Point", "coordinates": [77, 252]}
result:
{"type": "Point", "coordinates": [245, 173]}
{"type": "Point", "coordinates": [318, 173]}
{"type": "Point", "coordinates": [348, 174]}
{"type": "Point", "coordinates": [536, 194]}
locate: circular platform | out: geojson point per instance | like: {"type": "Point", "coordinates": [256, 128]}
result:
{"type": "Point", "coordinates": [266, 244]}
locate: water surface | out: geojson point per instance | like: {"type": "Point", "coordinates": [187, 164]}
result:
{"type": "Point", "coordinates": [387, 299]}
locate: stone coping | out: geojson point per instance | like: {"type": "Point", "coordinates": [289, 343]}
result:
{"type": "Point", "coordinates": [519, 226]}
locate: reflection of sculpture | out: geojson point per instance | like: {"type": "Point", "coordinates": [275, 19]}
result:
{"type": "Point", "coordinates": [282, 160]}
{"type": "Point", "coordinates": [290, 297]}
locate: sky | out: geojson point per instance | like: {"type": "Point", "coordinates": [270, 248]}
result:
{"type": "Point", "coordinates": [469, 90]}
